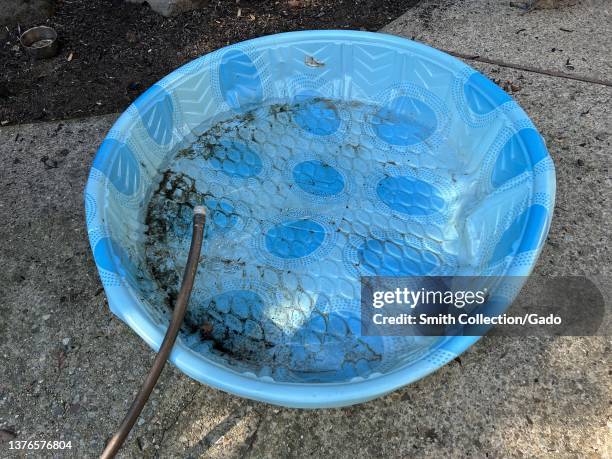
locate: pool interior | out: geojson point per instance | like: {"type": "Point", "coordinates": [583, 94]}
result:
{"type": "Point", "coordinates": [303, 198]}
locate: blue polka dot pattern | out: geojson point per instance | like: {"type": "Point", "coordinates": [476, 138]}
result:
{"type": "Point", "coordinates": [409, 195]}
{"type": "Point", "coordinates": [117, 162]}
{"type": "Point", "coordinates": [156, 111]}
{"type": "Point", "coordinates": [523, 150]}
{"type": "Point", "coordinates": [394, 258]}
{"type": "Point", "coordinates": [518, 238]}
{"type": "Point", "coordinates": [482, 95]}
{"type": "Point", "coordinates": [316, 177]}
{"type": "Point", "coordinates": [405, 121]}
{"type": "Point", "coordinates": [239, 80]}
{"type": "Point", "coordinates": [294, 239]}
{"type": "Point", "coordinates": [221, 215]}
{"type": "Point", "coordinates": [235, 159]}
{"type": "Point", "coordinates": [237, 318]}
{"type": "Point", "coordinates": [315, 114]}
{"type": "Point", "coordinates": [333, 346]}
{"type": "Point", "coordinates": [241, 303]}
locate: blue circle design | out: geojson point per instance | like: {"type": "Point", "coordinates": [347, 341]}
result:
{"type": "Point", "coordinates": [110, 256]}
{"type": "Point", "coordinates": [241, 303]}
{"type": "Point", "coordinates": [239, 80]}
{"type": "Point", "coordinates": [156, 111]}
{"type": "Point", "coordinates": [333, 347]}
{"type": "Point", "coordinates": [116, 160]}
{"type": "Point", "coordinates": [410, 196]}
{"type": "Point", "coordinates": [511, 242]}
{"type": "Point", "coordinates": [482, 95]}
{"type": "Point", "coordinates": [221, 218]}
{"type": "Point", "coordinates": [391, 258]}
{"type": "Point", "coordinates": [405, 121]}
{"type": "Point", "coordinates": [318, 178]}
{"type": "Point", "coordinates": [315, 114]}
{"type": "Point", "coordinates": [294, 239]}
{"type": "Point", "coordinates": [523, 150]}
{"type": "Point", "coordinates": [222, 215]}
{"type": "Point", "coordinates": [235, 159]}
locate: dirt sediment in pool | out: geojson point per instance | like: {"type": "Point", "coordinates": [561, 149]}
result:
{"type": "Point", "coordinates": [253, 304]}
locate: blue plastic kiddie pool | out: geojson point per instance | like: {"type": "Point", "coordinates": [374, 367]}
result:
{"type": "Point", "coordinates": [321, 157]}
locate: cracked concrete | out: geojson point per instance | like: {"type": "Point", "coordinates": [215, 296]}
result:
{"type": "Point", "coordinates": [69, 369]}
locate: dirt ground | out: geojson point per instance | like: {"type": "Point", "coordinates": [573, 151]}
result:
{"type": "Point", "coordinates": [111, 50]}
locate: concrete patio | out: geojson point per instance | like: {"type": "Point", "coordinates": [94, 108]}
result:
{"type": "Point", "coordinates": [69, 369]}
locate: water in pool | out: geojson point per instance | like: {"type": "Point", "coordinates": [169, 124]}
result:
{"type": "Point", "coordinates": [302, 200]}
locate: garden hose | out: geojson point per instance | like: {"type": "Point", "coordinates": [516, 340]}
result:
{"type": "Point", "coordinates": [180, 307]}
